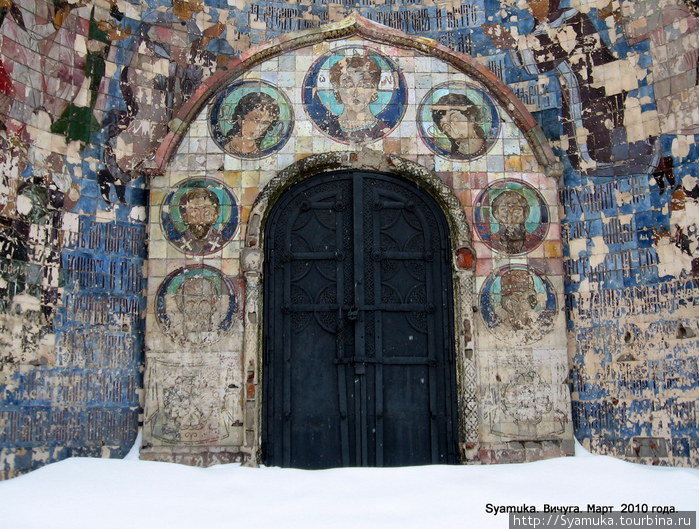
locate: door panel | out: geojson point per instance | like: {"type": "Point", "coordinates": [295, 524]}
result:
{"type": "Point", "coordinates": [358, 366]}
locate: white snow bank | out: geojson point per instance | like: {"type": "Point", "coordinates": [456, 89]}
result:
{"type": "Point", "coordinates": [108, 493]}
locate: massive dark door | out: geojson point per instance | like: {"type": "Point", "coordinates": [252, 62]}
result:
{"type": "Point", "coordinates": [358, 367]}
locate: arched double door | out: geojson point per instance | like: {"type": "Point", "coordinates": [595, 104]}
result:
{"type": "Point", "coordinates": [358, 331]}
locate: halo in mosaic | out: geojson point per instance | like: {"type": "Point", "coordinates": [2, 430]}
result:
{"type": "Point", "coordinates": [458, 121]}
{"type": "Point", "coordinates": [251, 119]}
{"type": "Point", "coordinates": [518, 304]}
{"type": "Point", "coordinates": [200, 216]}
{"type": "Point", "coordinates": [355, 94]}
{"type": "Point", "coordinates": [194, 305]}
{"type": "Point", "coordinates": [511, 217]}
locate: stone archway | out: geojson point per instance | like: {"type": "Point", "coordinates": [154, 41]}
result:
{"type": "Point", "coordinates": [460, 186]}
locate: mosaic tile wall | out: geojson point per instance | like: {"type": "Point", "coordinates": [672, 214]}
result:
{"type": "Point", "coordinates": [86, 96]}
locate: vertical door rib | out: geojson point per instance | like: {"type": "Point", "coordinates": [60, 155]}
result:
{"type": "Point", "coordinates": [375, 271]}
{"type": "Point", "coordinates": [341, 324]}
{"type": "Point", "coordinates": [287, 341]}
{"type": "Point", "coordinates": [359, 328]}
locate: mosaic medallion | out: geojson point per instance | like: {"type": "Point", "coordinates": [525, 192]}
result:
{"type": "Point", "coordinates": [458, 121]}
{"type": "Point", "coordinates": [251, 119]}
{"type": "Point", "coordinates": [355, 94]}
{"type": "Point", "coordinates": [200, 216]}
{"type": "Point", "coordinates": [195, 305]}
{"type": "Point", "coordinates": [511, 216]}
{"type": "Point", "coordinates": [518, 304]}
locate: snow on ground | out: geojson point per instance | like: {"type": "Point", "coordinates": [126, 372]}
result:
{"type": "Point", "coordinates": [87, 493]}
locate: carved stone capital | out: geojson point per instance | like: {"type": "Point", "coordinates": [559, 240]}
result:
{"type": "Point", "coordinates": [252, 260]}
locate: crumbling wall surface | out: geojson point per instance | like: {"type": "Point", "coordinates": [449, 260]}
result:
{"type": "Point", "coordinates": [73, 242]}
{"type": "Point", "coordinates": [633, 247]}
{"type": "Point", "coordinates": [87, 91]}
{"type": "Point", "coordinates": [614, 84]}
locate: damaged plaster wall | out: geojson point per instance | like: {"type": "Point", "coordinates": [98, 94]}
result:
{"type": "Point", "coordinates": [87, 93]}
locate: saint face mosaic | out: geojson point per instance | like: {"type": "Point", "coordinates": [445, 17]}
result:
{"type": "Point", "coordinates": [251, 119]}
{"type": "Point", "coordinates": [354, 94]}
{"type": "Point", "coordinates": [195, 305]}
{"type": "Point", "coordinates": [518, 304]}
{"type": "Point", "coordinates": [458, 121]}
{"type": "Point", "coordinates": [200, 216]}
{"type": "Point", "coordinates": [511, 217]}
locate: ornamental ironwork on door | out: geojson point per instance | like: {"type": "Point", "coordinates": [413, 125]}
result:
{"type": "Point", "coordinates": [358, 332]}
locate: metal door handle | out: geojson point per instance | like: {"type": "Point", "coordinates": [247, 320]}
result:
{"type": "Point", "coordinates": [353, 313]}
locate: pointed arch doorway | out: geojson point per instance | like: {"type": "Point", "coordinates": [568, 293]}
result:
{"type": "Point", "coordinates": [358, 349]}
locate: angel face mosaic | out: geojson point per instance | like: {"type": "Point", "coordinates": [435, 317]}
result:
{"type": "Point", "coordinates": [195, 305]}
{"type": "Point", "coordinates": [511, 217]}
{"type": "Point", "coordinates": [459, 121]}
{"type": "Point", "coordinates": [251, 119]}
{"type": "Point", "coordinates": [355, 94]}
{"type": "Point", "coordinates": [200, 216]}
{"type": "Point", "coordinates": [518, 304]}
